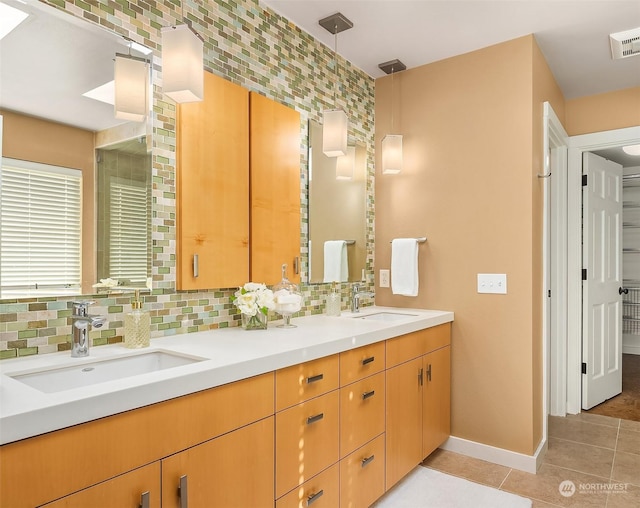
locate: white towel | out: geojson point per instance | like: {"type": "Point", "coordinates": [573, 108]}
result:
{"type": "Point", "coordinates": [336, 263]}
{"type": "Point", "coordinates": [404, 266]}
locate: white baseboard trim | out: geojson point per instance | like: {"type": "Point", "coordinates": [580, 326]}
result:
{"type": "Point", "coordinates": [630, 350]}
{"type": "Point", "coordinates": [507, 458]}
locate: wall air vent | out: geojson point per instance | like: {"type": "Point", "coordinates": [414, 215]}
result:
{"type": "Point", "coordinates": [624, 44]}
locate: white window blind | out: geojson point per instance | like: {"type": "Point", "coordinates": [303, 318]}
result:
{"type": "Point", "coordinates": [128, 233]}
{"type": "Point", "coordinates": [40, 229]}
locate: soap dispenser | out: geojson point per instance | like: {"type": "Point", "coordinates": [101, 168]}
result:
{"type": "Point", "coordinates": [333, 301]}
{"type": "Point", "coordinates": [137, 325]}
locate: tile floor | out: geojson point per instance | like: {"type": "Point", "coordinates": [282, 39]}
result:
{"type": "Point", "coordinates": [594, 452]}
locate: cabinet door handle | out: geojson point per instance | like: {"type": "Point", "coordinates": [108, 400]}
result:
{"type": "Point", "coordinates": [367, 460]}
{"type": "Point", "coordinates": [366, 395]}
{"type": "Point", "coordinates": [296, 265]}
{"type": "Point", "coordinates": [314, 497]}
{"type": "Point", "coordinates": [315, 418]}
{"type": "Point", "coordinates": [368, 360]}
{"type": "Point", "coordinates": [182, 492]}
{"type": "Point", "coordinates": [313, 379]}
{"type": "Point", "coordinates": [144, 500]}
{"type": "Point", "coordinates": [196, 268]}
{"type": "Point", "coordinates": [429, 373]}
{"type": "Point", "coordinates": [420, 377]}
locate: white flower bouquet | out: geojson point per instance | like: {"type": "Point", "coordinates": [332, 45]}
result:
{"type": "Point", "coordinates": [254, 301]}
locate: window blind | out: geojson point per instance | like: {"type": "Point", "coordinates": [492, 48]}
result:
{"type": "Point", "coordinates": [129, 254]}
{"type": "Point", "coordinates": [40, 229]}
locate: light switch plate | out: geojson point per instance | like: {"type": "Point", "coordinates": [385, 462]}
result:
{"type": "Point", "coordinates": [495, 283]}
{"type": "Point", "coordinates": [384, 278]}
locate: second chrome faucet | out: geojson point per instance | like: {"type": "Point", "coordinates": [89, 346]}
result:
{"type": "Point", "coordinates": [82, 323]}
{"type": "Point", "coordinates": [356, 295]}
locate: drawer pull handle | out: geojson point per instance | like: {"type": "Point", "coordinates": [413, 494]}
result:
{"type": "Point", "coordinates": [314, 497]}
{"type": "Point", "coordinates": [313, 379]}
{"type": "Point", "coordinates": [366, 395]}
{"type": "Point", "coordinates": [144, 500]}
{"type": "Point", "coordinates": [182, 492]}
{"type": "Point", "coordinates": [315, 418]}
{"type": "Point", "coordinates": [368, 360]}
{"type": "Point", "coordinates": [367, 460]}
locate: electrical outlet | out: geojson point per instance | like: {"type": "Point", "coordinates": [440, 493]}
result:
{"type": "Point", "coordinates": [384, 278]}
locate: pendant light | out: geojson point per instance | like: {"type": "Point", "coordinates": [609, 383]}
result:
{"type": "Point", "coordinates": [335, 124]}
{"type": "Point", "coordinates": [345, 164]}
{"type": "Point", "coordinates": [131, 88]}
{"type": "Point", "coordinates": [182, 63]}
{"type": "Point", "coordinates": [392, 143]}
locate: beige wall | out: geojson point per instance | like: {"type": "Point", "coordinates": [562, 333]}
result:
{"type": "Point", "coordinates": [469, 185]}
{"type": "Point", "coordinates": [33, 139]}
{"type": "Point", "coordinates": [603, 112]}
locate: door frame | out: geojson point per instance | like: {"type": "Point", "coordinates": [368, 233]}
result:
{"type": "Point", "coordinates": [572, 375]}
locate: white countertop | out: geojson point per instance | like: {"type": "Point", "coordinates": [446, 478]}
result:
{"type": "Point", "coordinates": [229, 355]}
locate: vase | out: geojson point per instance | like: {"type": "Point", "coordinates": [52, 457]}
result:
{"type": "Point", "coordinates": [257, 322]}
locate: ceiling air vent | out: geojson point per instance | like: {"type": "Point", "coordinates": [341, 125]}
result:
{"type": "Point", "coordinates": [624, 44]}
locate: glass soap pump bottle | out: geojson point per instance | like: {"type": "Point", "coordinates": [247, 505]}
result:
{"type": "Point", "coordinates": [333, 301]}
{"type": "Point", "coordinates": [137, 325]}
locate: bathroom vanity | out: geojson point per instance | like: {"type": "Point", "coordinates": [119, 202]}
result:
{"type": "Point", "coordinates": [332, 413]}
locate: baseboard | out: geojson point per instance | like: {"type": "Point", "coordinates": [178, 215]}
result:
{"type": "Point", "coordinates": [507, 458]}
{"type": "Point", "coordinates": [630, 350]}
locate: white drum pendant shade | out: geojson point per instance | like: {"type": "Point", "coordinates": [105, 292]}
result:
{"type": "Point", "coordinates": [392, 154]}
{"type": "Point", "coordinates": [131, 83]}
{"type": "Point", "coordinates": [182, 64]}
{"type": "Point", "coordinates": [345, 164]}
{"type": "Point", "coordinates": [334, 132]}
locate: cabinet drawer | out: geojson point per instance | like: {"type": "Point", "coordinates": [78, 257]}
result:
{"type": "Point", "coordinates": [437, 337]}
{"type": "Point", "coordinates": [321, 491]}
{"type": "Point", "coordinates": [361, 412]}
{"type": "Point", "coordinates": [306, 440]}
{"type": "Point", "coordinates": [361, 362]}
{"type": "Point", "coordinates": [362, 475]}
{"type": "Point", "coordinates": [304, 381]}
{"type": "Point", "coordinates": [404, 348]}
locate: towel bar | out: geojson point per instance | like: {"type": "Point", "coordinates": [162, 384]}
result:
{"type": "Point", "coordinates": [422, 239]}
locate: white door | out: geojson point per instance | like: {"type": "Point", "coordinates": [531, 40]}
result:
{"type": "Point", "coordinates": [602, 259]}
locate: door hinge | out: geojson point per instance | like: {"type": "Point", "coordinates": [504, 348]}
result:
{"type": "Point", "coordinates": [584, 368]}
{"type": "Point", "coordinates": [584, 274]}
{"type": "Point", "coordinates": [584, 180]}
{"type": "Point", "coordinates": [549, 293]}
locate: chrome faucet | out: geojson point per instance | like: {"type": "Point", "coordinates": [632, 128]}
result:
{"type": "Point", "coordinates": [82, 323]}
{"type": "Point", "coordinates": [355, 298]}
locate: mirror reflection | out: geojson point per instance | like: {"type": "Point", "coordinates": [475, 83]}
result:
{"type": "Point", "coordinates": [75, 181]}
{"type": "Point", "coordinates": [337, 212]}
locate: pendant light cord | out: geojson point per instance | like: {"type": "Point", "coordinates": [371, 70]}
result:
{"type": "Point", "coordinates": [335, 64]}
{"type": "Point", "coordinates": [392, 99]}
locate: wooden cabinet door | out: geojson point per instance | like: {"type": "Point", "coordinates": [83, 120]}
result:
{"type": "Point", "coordinates": [404, 420]}
{"type": "Point", "coordinates": [138, 488]}
{"type": "Point", "coordinates": [275, 190]}
{"type": "Point", "coordinates": [235, 470]}
{"type": "Point", "coordinates": [436, 416]}
{"type": "Point", "coordinates": [213, 187]}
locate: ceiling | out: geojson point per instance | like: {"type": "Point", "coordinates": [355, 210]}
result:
{"type": "Point", "coordinates": [572, 35]}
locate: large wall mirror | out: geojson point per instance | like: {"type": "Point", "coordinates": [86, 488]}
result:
{"type": "Point", "coordinates": [337, 212]}
{"type": "Point", "coordinates": [74, 176]}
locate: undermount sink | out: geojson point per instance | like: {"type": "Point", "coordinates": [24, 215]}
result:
{"type": "Point", "coordinates": [59, 379]}
{"type": "Point", "coordinates": [386, 316]}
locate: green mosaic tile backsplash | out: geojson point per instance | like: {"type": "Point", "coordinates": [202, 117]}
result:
{"type": "Point", "coordinates": [251, 46]}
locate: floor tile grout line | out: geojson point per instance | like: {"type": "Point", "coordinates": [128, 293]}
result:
{"type": "Point", "coordinates": [505, 479]}
{"type": "Point", "coordinates": [576, 471]}
{"type": "Point", "coordinates": [583, 443]}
